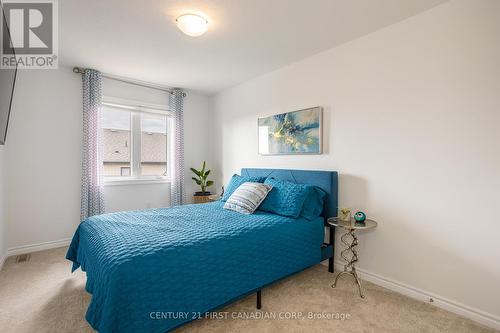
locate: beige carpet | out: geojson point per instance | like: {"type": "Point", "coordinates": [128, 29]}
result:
{"type": "Point", "coordinates": [41, 295]}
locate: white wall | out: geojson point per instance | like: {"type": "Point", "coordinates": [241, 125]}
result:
{"type": "Point", "coordinates": [3, 204]}
{"type": "Point", "coordinates": [411, 116]}
{"type": "Point", "coordinates": [198, 140]}
{"type": "Point", "coordinates": [45, 157]}
{"type": "Point", "coordinates": [136, 196]}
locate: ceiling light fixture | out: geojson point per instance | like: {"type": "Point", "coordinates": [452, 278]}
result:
{"type": "Point", "coordinates": [192, 24]}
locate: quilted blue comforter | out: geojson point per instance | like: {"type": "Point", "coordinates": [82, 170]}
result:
{"type": "Point", "coordinates": [144, 268]}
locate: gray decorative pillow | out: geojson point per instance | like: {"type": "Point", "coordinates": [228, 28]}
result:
{"type": "Point", "coordinates": [247, 197]}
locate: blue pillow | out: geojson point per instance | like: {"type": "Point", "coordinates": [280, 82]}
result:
{"type": "Point", "coordinates": [314, 203]}
{"type": "Point", "coordinates": [286, 198]}
{"type": "Point", "coordinates": [236, 181]}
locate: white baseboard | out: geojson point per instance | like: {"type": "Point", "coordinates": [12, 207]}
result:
{"type": "Point", "coordinates": [466, 311]}
{"type": "Point", "coordinates": [14, 251]}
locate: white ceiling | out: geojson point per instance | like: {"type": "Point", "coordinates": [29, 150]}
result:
{"type": "Point", "coordinates": [246, 38]}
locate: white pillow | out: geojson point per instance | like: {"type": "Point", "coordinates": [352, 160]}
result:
{"type": "Point", "coordinates": [247, 197]}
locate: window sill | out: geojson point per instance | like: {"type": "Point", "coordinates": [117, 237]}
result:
{"type": "Point", "coordinates": [137, 181]}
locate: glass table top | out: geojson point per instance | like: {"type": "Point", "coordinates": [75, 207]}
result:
{"type": "Point", "coordinates": [335, 221]}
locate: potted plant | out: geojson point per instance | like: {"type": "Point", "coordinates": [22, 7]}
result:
{"type": "Point", "coordinates": [201, 180]}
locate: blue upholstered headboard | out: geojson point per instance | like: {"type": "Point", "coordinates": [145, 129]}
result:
{"type": "Point", "coordinates": [326, 180]}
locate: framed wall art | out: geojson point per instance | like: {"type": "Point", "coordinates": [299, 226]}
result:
{"type": "Point", "coordinates": [290, 133]}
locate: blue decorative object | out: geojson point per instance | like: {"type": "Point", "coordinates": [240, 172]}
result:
{"type": "Point", "coordinates": [360, 217]}
{"type": "Point", "coordinates": [297, 132]}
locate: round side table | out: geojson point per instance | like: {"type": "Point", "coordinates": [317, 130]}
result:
{"type": "Point", "coordinates": [350, 242]}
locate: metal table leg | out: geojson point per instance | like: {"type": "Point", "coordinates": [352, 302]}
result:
{"type": "Point", "coordinates": [349, 267]}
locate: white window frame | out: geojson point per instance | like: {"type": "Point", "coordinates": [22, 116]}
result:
{"type": "Point", "coordinates": [136, 108]}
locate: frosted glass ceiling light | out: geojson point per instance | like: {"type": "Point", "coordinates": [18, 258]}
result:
{"type": "Point", "coordinates": [192, 24]}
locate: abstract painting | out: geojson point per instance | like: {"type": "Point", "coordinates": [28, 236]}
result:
{"type": "Point", "coordinates": [297, 132]}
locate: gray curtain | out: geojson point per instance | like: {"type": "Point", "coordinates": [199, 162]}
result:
{"type": "Point", "coordinates": [92, 202]}
{"type": "Point", "coordinates": [178, 195]}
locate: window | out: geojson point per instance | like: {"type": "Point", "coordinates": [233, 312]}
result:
{"type": "Point", "coordinates": [135, 142]}
{"type": "Point", "coordinates": [116, 140]}
{"type": "Point", "coordinates": [153, 144]}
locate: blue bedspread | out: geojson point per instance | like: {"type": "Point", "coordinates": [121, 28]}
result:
{"type": "Point", "coordinates": [142, 266]}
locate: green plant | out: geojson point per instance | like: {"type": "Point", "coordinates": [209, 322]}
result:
{"type": "Point", "coordinates": [201, 177]}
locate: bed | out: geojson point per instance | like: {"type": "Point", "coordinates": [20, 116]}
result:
{"type": "Point", "coordinates": [156, 269]}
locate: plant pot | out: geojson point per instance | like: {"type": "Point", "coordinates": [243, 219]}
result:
{"type": "Point", "coordinates": [201, 194]}
{"type": "Point", "coordinates": [201, 197]}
